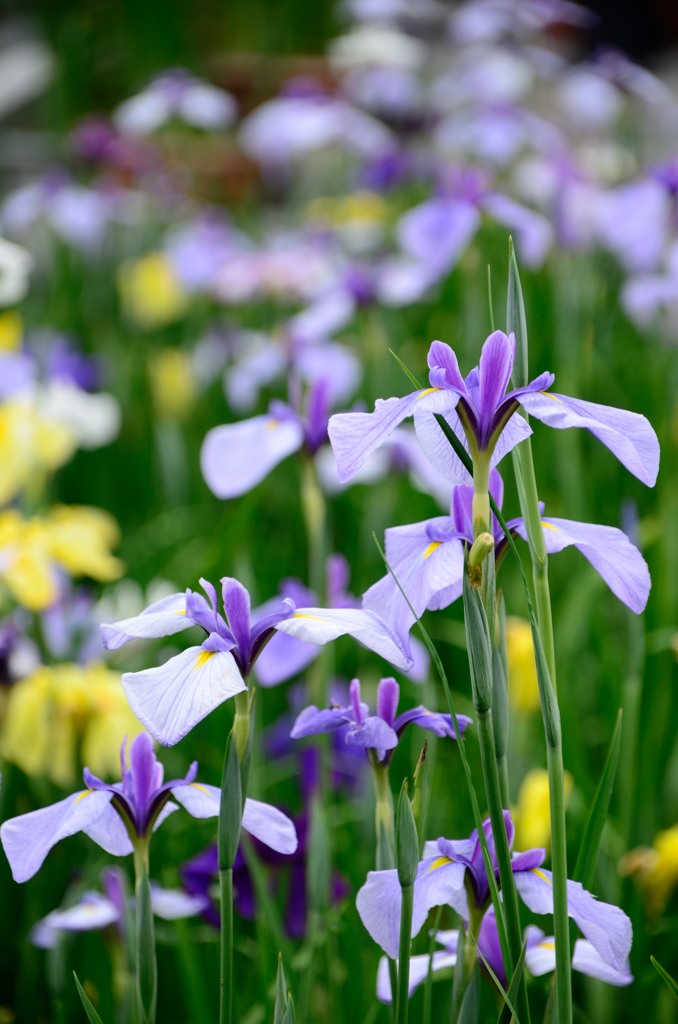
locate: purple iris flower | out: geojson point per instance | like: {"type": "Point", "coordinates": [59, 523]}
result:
{"type": "Point", "coordinates": [540, 958]}
{"type": "Point", "coordinates": [237, 456]}
{"type": "Point", "coordinates": [453, 872]}
{"type": "Point", "coordinates": [427, 558]}
{"type": "Point", "coordinates": [176, 94]}
{"type": "Point", "coordinates": [95, 910]}
{"type": "Point", "coordinates": [483, 414]}
{"type": "Point", "coordinates": [380, 732]}
{"type": "Point", "coordinates": [119, 816]}
{"type": "Point", "coordinates": [172, 698]}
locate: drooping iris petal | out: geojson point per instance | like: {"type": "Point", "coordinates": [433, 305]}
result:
{"type": "Point", "coordinates": [312, 721]}
{"type": "Point", "coordinates": [540, 959]}
{"type": "Point", "coordinates": [321, 625]}
{"type": "Point", "coordinates": [28, 838]}
{"type": "Point", "coordinates": [237, 456]}
{"type": "Point", "coordinates": [419, 968]}
{"type": "Point", "coordinates": [170, 699]}
{"type": "Point", "coordinates": [422, 568]}
{"type": "Point", "coordinates": [175, 904]}
{"type": "Point", "coordinates": [439, 880]}
{"type": "Point", "coordinates": [373, 733]}
{"type": "Point", "coordinates": [163, 618]}
{"type": "Point", "coordinates": [606, 927]}
{"type": "Point", "coordinates": [110, 834]}
{"type": "Point", "coordinates": [609, 551]}
{"type": "Point", "coordinates": [355, 435]}
{"type": "Point", "coordinates": [261, 820]}
{"type": "Point", "coordinates": [628, 435]}
{"type": "Point", "coordinates": [93, 911]}
{"type": "Point", "coordinates": [433, 721]}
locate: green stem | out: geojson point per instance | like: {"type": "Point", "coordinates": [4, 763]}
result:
{"type": "Point", "coordinates": [403, 997]}
{"type": "Point", "coordinates": [241, 725]}
{"type": "Point", "coordinates": [226, 975]}
{"type": "Point", "coordinates": [384, 817]}
{"type": "Point", "coordinates": [315, 520]}
{"type": "Point", "coordinates": [146, 968]}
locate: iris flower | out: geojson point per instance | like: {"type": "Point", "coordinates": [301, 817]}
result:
{"type": "Point", "coordinates": [427, 558]}
{"type": "Point", "coordinates": [172, 698]}
{"type": "Point", "coordinates": [453, 872]}
{"type": "Point", "coordinates": [540, 958]}
{"type": "Point", "coordinates": [118, 817]}
{"type": "Point", "coordinates": [380, 732]}
{"type": "Point", "coordinates": [483, 414]}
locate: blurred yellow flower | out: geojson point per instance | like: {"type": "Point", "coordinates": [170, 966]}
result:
{"type": "Point", "coordinates": [11, 330]}
{"type": "Point", "coordinates": [31, 445]}
{"type": "Point", "coordinates": [360, 217]}
{"type": "Point", "coordinates": [66, 716]}
{"type": "Point", "coordinates": [532, 814]}
{"type": "Point", "coordinates": [151, 292]}
{"type": "Point", "coordinates": [522, 670]}
{"type": "Point", "coordinates": [174, 385]}
{"type": "Point", "coordinates": [76, 539]}
{"type": "Point", "coordinates": [656, 868]}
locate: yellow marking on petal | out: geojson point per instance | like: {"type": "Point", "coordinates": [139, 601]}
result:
{"type": "Point", "coordinates": [81, 796]}
{"type": "Point", "coordinates": [540, 874]}
{"type": "Point", "coordinates": [428, 391]}
{"type": "Point", "coordinates": [433, 546]}
{"type": "Point", "coordinates": [272, 424]}
{"type": "Point", "coordinates": [196, 785]}
{"type": "Point", "coordinates": [203, 658]}
{"type": "Point", "coordinates": [549, 526]}
{"type": "Point", "coordinates": [439, 862]}
{"type": "Point", "coordinates": [548, 394]}
{"type": "Point", "coordinates": [547, 945]}
{"type": "Point", "coordinates": [180, 611]}
{"type": "Point", "coordinates": [305, 615]}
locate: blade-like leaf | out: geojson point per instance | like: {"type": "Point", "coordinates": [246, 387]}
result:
{"type": "Point", "coordinates": [508, 1011]}
{"type": "Point", "coordinates": [670, 982]}
{"type": "Point", "coordinates": [593, 833]}
{"type": "Point", "coordinates": [92, 1014]}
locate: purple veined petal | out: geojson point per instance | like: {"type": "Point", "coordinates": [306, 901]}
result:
{"type": "Point", "coordinates": [91, 912]}
{"type": "Point", "coordinates": [282, 658]}
{"type": "Point", "coordinates": [489, 945]}
{"type": "Point", "coordinates": [422, 567]}
{"type": "Point", "coordinates": [419, 967]}
{"type": "Point", "coordinates": [527, 860]}
{"type": "Point", "coordinates": [321, 625]}
{"type": "Point", "coordinates": [170, 699]}
{"type": "Point", "coordinates": [587, 960]}
{"type": "Point", "coordinates": [628, 435]}
{"type": "Point", "coordinates": [199, 799]}
{"type": "Point", "coordinates": [355, 435]}
{"type": "Point", "coordinates": [372, 734]}
{"type": "Point", "coordinates": [175, 904]}
{"type": "Point", "coordinates": [440, 453]}
{"type": "Point", "coordinates": [237, 456]}
{"type": "Point", "coordinates": [145, 771]}
{"type": "Point", "coordinates": [494, 373]}
{"type": "Point", "coordinates": [109, 832]}
{"type": "Point", "coordinates": [421, 661]}
{"type": "Point", "coordinates": [609, 551]}
{"type": "Point", "coordinates": [606, 927]}
{"type": "Point", "coordinates": [438, 230]}
{"type": "Point", "coordinates": [237, 607]}
{"type": "Point", "coordinates": [533, 231]}
{"type": "Point", "coordinates": [434, 721]}
{"type": "Point", "coordinates": [442, 357]}
{"type": "Point", "coordinates": [270, 826]}
{"type": "Point", "coordinates": [312, 722]}
{"type": "Point", "coordinates": [439, 881]}
{"type": "Point", "coordinates": [28, 838]}
{"type": "Point", "coordinates": [388, 695]}
{"type": "Point", "coordinates": [163, 618]}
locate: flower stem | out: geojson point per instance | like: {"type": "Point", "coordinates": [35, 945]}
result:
{"type": "Point", "coordinates": [226, 975]}
{"type": "Point", "coordinates": [146, 968]}
{"type": "Point", "coordinates": [383, 817]}
{"type": "Point", "coordinates": [403, 996]}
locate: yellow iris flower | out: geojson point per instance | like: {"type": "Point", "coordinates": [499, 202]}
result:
{"type": "Point", "coordinates": [66, 716]}
{"type": "Point", "coordinates": [522, 669]}
{"type": "Point", "coordinates": [31, 445]}
{"type": "Point", "coordinates": [151, 292]}
{"type": "Point", "coordinates": [75, 539]}
{"type": "Point", "coordinates": [532, 813]}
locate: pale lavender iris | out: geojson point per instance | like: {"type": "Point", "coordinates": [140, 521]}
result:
{"type": "Point", "coordinates": [118, 817]}
{"type": "Point", "coordinates": [172, 698]}
{"type": "Point", "coordinates": [540, 958]}
{"type": "Point", "coordinates": [380, 732]}
{"type": "Point", "coordinates": [453, 872]}
{"type": "Point", "coordinates": [483, 414]}
{"type": "Point", "coordinates": [176, 94]}
{"type": "Point", "coordinates": [427, 558]}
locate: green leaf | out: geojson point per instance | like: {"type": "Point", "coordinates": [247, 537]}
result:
{"type": "Point", "coordinates": [478, 642]}
{"type": "Point", "coordinates": [470, 1004]}
{"type": "Point", "coordinates": [408, 373]}
{"type": "Point", "coordinates": [515, 320]}
{"type": "Point", "coordinates": [289, 1012]}
{"type": "Point", "coordinates": [508, 1011]}
{"type": "Point", "coordinates": [280, 993]}
{"type": "Point", "coordinates": [319, 858]}
{"type": "Point", "coordinates": [92, 1014]}
{"type": "Point", "coordinates": [489, 297]}
{"type": "Point", "coordinates": [670, 982]}
{"type": "Point", "coordinates": [593, 833]}
{"type": "Point", "coordinates": [147, 972]}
